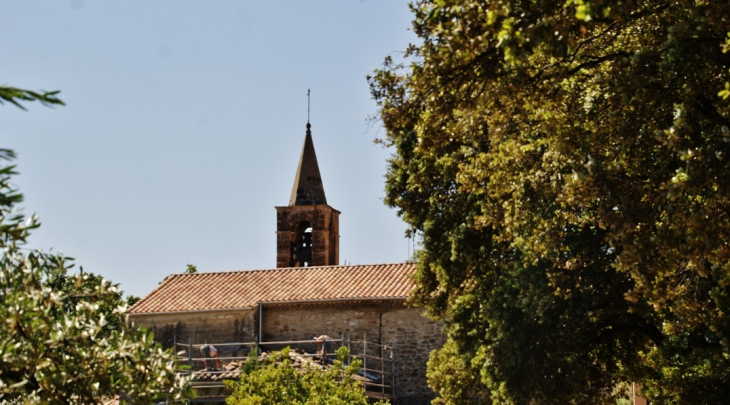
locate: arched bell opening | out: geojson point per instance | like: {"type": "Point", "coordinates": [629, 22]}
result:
{"type": "Point", "coordinates": [301, 254]}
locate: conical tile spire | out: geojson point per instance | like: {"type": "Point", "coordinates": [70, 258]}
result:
{"type": "Point", "coordinates": [308, 188]}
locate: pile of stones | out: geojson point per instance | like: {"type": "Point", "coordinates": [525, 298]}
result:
{"type": "Point", "coordinates": [232, 369]}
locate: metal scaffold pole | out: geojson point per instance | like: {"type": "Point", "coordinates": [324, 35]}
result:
{"type": "Point", "coordinates": [382, 369]}
{"type": "Point", "coordinates": [349, 348]}
{"type": "Point", "coordinates": [392, 376]}
{"type": "Point", "coordinates": [365, 352]}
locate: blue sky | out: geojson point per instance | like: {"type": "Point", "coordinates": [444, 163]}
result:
{"type": "Point", "coordinates": [184, 123]}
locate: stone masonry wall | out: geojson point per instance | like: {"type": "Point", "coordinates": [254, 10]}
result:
{"type": "Point", "coordinates": [384, 322]}
{"type": "Point", "coordinates": [414, 337]}
{"type": "Point", "coordinates": [304, 322]}
{"type": "Point", "coordinates": [324, 221]}
{"type": "Point", "coordinates": [202, 327]}
{"type": "Point", "coordinates": [389, 323]}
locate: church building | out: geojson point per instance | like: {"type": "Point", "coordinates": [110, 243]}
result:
{"type": "Point", "coordinates": [308, 294]}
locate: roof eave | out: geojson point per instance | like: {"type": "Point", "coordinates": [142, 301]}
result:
{"type": "Point", "coordinates": [326, 300]}
{"type": "Point", "coordinates": [283, 302]}
{"type": "Point", "coordinates": [194, 311]}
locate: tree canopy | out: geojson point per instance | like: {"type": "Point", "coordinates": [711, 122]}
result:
{"type": "Point", "coordinates": [76, 288]}
{"type": "Point", "coordinates": [566, 164]}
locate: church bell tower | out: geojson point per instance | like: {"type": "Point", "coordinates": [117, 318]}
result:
{"type": "Point", "coordinates": [307, 230]}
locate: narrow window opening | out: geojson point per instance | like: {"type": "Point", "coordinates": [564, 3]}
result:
{"type": "Point", "coordinates": [302, 246]}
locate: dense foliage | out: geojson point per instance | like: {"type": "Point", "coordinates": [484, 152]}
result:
{"type": "Point", "coordinates": [278, 382]}
{"type": "Point", "coordinates": [566, 163]}
{"type": "Point", "coordinates": [62, 338]}
{"type": "Point", "coordinates": [75, 288]}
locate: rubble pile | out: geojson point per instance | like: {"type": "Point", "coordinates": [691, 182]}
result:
{"type": "Point", "coordinates": [232, 369]}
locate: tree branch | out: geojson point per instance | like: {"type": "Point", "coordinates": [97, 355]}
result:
{"type": "Point", "coordinates": [595, 62]}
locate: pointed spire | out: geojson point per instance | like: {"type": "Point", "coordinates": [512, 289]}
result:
{"type": "Point", "coordinates": [308, 188]}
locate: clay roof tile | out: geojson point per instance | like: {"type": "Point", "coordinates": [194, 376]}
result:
{"type": "Point", "coordinates": [245, 289]}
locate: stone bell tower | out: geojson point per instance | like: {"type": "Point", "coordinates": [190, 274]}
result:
{"type": "Point", "coordinates": [307, 230]}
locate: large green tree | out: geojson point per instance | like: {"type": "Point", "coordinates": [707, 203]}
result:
{"type": "Point", "coordinates": [566, 163]}
{"type": "Point", "coordinates": [62, 339]}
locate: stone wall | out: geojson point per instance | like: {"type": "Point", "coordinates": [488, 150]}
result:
{"type": "Point", "coordinates": [202, 327]}
{"type": "Point", "coordinates": [286, 322]}
{"type": "Point", "coordinates": [324, 221]}
{"type": "Point", "coordinates": [383, 322]}
{"type": "Point", "coordinates": [414, 337]}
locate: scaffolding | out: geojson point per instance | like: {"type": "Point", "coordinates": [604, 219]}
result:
{"type": "Point", "coordinates": [378, 363]}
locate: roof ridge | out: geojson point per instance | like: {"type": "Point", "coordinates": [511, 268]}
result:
{"type": "Point", "coordinates": [283, 269]}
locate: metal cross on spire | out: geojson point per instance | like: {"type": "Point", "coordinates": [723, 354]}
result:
{"type": "Point", "coordinates": [308, 99]}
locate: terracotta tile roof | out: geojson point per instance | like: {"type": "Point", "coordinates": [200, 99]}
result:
{"type": "Point", "coordinates": [245, 289]}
